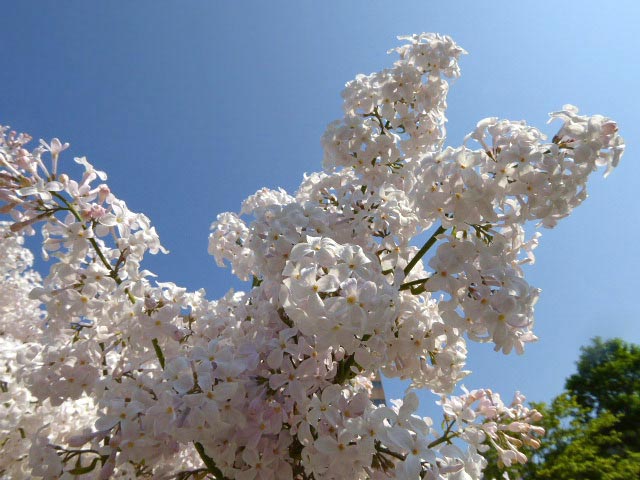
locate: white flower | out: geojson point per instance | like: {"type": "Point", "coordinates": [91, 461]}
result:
{"type": "Point", "coordinates": [272, 383]}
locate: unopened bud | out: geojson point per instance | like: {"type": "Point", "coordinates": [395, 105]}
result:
{"type": "Point", "coordinates": [103, 192]}
{"type": "Point", "coordinates": [609, 128]}
{"type": "Point", "coordinates": [150, 303]}
{"type": "Point", "coordinates": [107, 470]}
{"type": "Point", "coordinates": [79, 440]}
{"type": "Point", "coordinates": [515, 442]}
{"type": "Point", "coordinates": [518, 427]}
{"type": "Point", "coordinates": [531, 442]}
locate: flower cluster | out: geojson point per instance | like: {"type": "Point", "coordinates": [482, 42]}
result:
{"type": "Point", "coordinates": [119, 375]}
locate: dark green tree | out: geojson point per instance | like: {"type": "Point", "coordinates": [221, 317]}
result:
{"type": "Point", "coordinates": [608, 379]}
{"type": "Point", "coordinates": [593, 428]}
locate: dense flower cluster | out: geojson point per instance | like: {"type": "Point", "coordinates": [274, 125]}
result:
{"type": "Point", "coordinates": [119, 375]}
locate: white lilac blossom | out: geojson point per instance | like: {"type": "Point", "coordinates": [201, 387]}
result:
{"type": "Point", "coordinates": [108, 373]}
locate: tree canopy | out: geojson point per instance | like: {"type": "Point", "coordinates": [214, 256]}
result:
{"type": "Point", "coordinates": [592, 427]}
{"type": "Point", "coordinates": [608, 379]}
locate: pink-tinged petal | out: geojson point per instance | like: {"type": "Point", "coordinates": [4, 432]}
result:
{"type": "Point", "coordinates": [44, 196]}
{"type": "Point", "coordinates": [274, 360]}
{"type": "Point", "coordinates": [250, 456]}
{"type": "Point", "coordinates": [23, 192]}
{"type": "Point", "coordinates": [108, 220]}
{"type": "Point", "coordinates": [54, 186]}
{"type": "Point", "coordinates": [106, 422]}
{"type": "Point", "coordinates": [401, 438]}
{"type": "Point", "coordinates": [327, 445]}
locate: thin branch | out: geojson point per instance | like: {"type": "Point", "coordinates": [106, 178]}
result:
{"type": "Point", "coordinates": [386, 451]}
{"type": "Point", "coordinates": [413, 283]}
{"type": "Point", "coordinates": [208, 461]}
{"type": "Point", "coordinates": [425, 248]}
{"type": "Point", "coordinates": [445, 437]}
{"type": "Point", "coordinates": [112, 273]}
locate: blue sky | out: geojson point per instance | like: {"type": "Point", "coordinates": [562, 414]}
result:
{"type": "Point", "coordinates": [192, 106]}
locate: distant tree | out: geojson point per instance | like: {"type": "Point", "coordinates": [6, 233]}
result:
{"type": "Point", "coordinates": [593, 427]}
{"type": "Point", "coordinates": [608, 379]}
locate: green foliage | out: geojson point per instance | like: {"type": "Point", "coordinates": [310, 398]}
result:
{"type": "Point", "coordinates": [593, 427]}
{"type": "Point", "coordinates": [596, 451]}
{"type": "Point", "coordinates": [608, 379]}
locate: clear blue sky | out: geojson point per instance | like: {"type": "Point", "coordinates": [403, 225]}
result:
{"type": "Point", "coordinates": [192, 106]}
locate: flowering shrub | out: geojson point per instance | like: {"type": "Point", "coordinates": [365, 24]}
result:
{"type": "Point", "coordinates": [108, 373]}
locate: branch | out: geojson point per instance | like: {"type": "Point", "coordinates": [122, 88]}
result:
{"type": "Point", "coordinates": [386, 451]}
{"type": "Point", "coordinates": [413, 283]}
{"type": "Point", "coordinates": [445, 436]}
{"type": "Point", "coordinates": [425, 248]}
{"type": "Point", "coordinates": [208, 461]}
{"type": "Point", "coordinates": [112, 273]}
